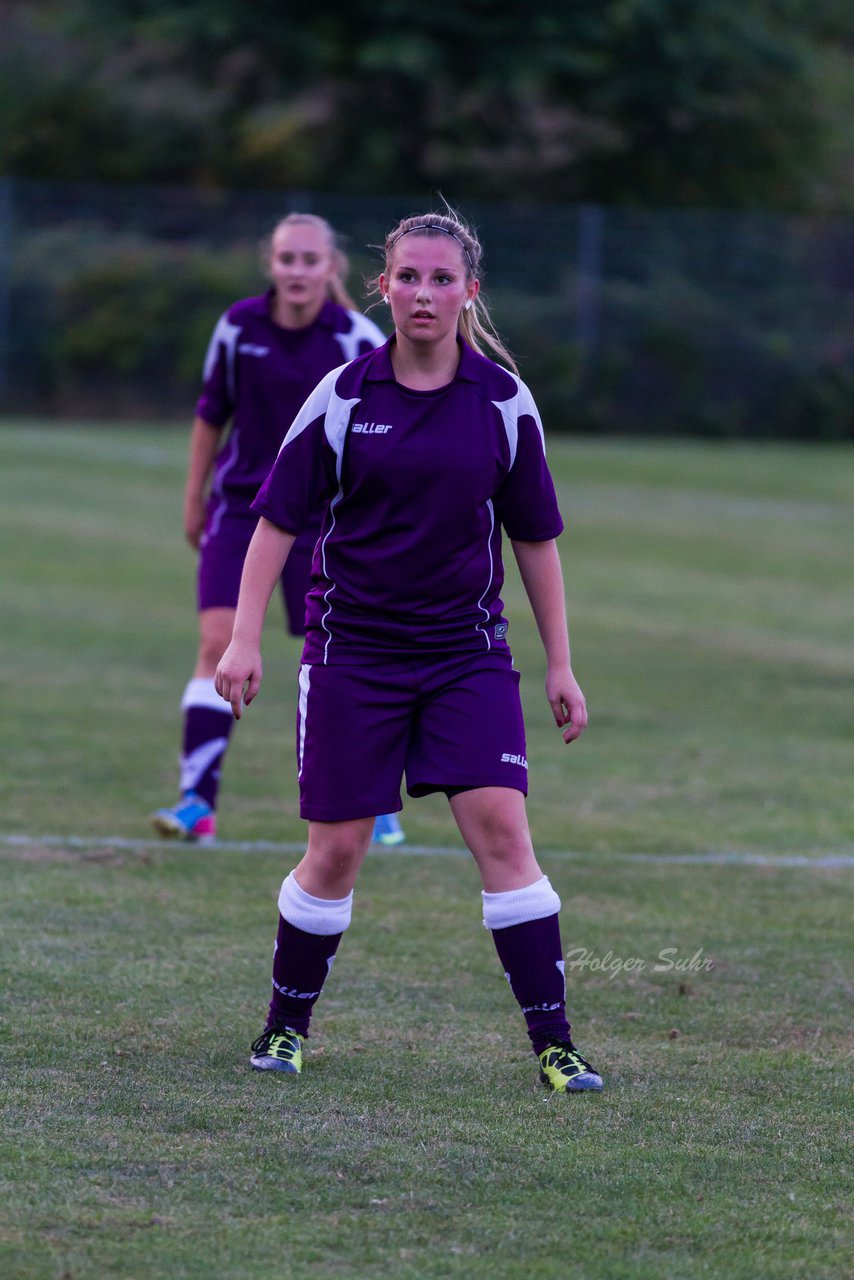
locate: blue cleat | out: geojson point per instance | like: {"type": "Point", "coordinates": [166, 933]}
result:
{"type": "Point", "coordinates": [192, 818]}
{"type": "Point", "coordinates": [387, 830]}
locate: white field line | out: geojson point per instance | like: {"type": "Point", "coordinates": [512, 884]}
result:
{"type": "Point", "coordinates": [818, 861]}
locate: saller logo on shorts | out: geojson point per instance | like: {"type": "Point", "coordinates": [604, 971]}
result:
{"type": "Point", "coordinates": [507, 758]}
{"type": "Point", "coordinates": [371, 428]}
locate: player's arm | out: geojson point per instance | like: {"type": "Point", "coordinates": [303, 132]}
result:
{"type": "Point", "coordinates": [238, 676]}
{"type": "Point", "coordinates": [204, 443]}
{"type": "Point", "coordinates": [542, 577]}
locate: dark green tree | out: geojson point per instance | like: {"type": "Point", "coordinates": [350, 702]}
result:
{"type": "Point", "coordinates": [653, 101]}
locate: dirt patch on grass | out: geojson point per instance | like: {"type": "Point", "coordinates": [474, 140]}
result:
{"type": "Point", "coordinates": [50, 853]}
{"type": "Point", "coordinates": [39, 853]}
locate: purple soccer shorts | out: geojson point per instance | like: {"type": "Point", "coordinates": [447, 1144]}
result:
{"type": "Point", "coordinates": [228, 532]}
{"type": "Point", "coordinates": [445, 722]}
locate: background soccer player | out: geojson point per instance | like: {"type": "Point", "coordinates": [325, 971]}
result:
{"type": "Point", "coordinates": [265, 356]}
{"type": "Point", "coordinates": [423, 450]}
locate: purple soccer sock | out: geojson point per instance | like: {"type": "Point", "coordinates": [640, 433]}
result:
{"type": "Point", "coordinates": [208, 722]}
{"type": "Point", "coordinates": [532, 955]}
{"type": "Point", "coordinates": [301, 963]}
{"type": "Point", "coordinates": [310, 930]}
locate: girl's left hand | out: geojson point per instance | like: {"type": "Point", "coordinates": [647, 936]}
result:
{"type": "Point", "coordinates": [567, 702]}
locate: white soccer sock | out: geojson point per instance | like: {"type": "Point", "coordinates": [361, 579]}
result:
{"type": "Point", "coordinates": [201, 692]}
{"type": "Point", "coordinates": [518, 906]}
{"type": "Point", "coordinates": [208, 722]}
{"type": "Point", "coordinates": [313, 915]}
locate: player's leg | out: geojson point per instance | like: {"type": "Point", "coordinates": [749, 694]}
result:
{"type": "Point", "coordinates": [315, 906]}
{"type": "Point", "coordinates": [520, 908]}
{"type": "Point", "coordinates": [207, 719]}
{"type": "Point", "coordinates": [471, 740]}
{"type": "Point", "coordinates": [352, 729]}
{"type": "Point", "coordinates": [207, 726]}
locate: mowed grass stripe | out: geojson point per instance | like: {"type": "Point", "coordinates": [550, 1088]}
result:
{"type": "Point", "coordinates": [30, 845]}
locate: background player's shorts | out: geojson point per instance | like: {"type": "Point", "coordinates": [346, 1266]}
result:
{"type": "Point", "coordinates": [228, 532]}
{"type": "Point", "coordinates": [448, 723]}
{"type": "Point", "coordinates": [296, 584]}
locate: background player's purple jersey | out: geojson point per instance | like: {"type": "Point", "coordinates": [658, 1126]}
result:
{"type": "Point", "coordinates": [259, 374]}
{"type": "Point", "coordinates": [418, 486]}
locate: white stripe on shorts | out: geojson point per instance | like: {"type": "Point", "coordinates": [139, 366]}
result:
{"type": "Point", "coordinates": [304, 685]}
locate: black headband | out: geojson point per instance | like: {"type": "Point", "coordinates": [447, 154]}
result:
{"type": "Point", "coordinates": [431, 226]}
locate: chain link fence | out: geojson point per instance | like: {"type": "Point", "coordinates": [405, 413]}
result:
{"type": "Point", "coordinates": [623, 320]}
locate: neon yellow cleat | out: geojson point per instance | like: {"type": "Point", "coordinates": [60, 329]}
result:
{"type": "Point", "coordinates": [563, 1070]}
{"type": "Point", "coordinates": [278, 1049]}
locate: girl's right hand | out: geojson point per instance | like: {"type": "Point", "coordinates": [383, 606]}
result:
{"type": "Point", "coordinates": [238, 676]}
{"type": "Point", "coordinates": [194, 519]}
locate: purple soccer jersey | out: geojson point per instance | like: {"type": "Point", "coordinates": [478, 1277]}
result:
{"type": "Point", "coordinates": [419, 485]}
{"type": "Point", "coordinates": [259, 374]}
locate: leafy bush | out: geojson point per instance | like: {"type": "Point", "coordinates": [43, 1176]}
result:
{"type": "Point", "coordinates": [122, 324]}
{"type": "Point", "coordinates": [118, 323]}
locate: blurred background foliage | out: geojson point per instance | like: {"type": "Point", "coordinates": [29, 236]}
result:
{"type": "Point", "coordinates": [679, 102]}
{"type": "Point", "coordinates": [623, 320]}
{"type": "Point", "coordinates": [663, 188]}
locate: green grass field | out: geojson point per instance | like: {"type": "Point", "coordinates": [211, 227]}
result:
{"type": "Point", "coordinates": [706, 813]}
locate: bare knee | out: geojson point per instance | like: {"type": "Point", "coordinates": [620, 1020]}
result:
{"type": "Point", "coordinates": [494, 825]}
{"type": "Point", "coordinates": [334, 856]}
{"type": "Point", "coordinates": [504, 835]}
{"type": "Point", "coordinates": [215, 627]}
{"type": "Point", "coordinates": [506, 860]}
{"type": "Point", "coordinates": [493, 821]}
{"type": "Point", "coordinates": [332, 862]}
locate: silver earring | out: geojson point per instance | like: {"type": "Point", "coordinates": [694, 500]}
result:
{"type": "Point", "coordinates": [467, 307]}
{"type": "Point", "coordinates": [386, 299]}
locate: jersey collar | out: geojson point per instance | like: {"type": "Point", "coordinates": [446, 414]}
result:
{"type": "Point", "coordinates": [328, 317]}
{"type": "Point", "coordinates": [380, 369]}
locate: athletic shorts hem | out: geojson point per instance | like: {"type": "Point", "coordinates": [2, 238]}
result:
{"type": "Point", "coordinates": [419, 789]}
{"type": "Point", "coordinates": [329, 813]}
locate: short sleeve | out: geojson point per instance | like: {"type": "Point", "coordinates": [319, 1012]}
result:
{"type": "Point", "coordinates": [217, 402]}
{"type": "Point", "coordinates": [526, 503]}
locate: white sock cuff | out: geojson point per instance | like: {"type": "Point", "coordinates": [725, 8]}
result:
{"type": "Point", "coordinates": [201, 692]}
{"type": "Point", "coordinates": [518, 906]}
{"type": "Point", "coordinates": [313, 915]}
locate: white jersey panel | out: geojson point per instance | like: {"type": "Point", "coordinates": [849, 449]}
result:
{"type": "Point", "coordinates": [528, 406]}
{"type": "Point", "coordinates": [511, 410]}
{"type": "Point", "coordinates": [315, 406]}
{"type": "Point", "coordinates": [361, 330]}
{"type": "Point", "coordinates": [226, 335]}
